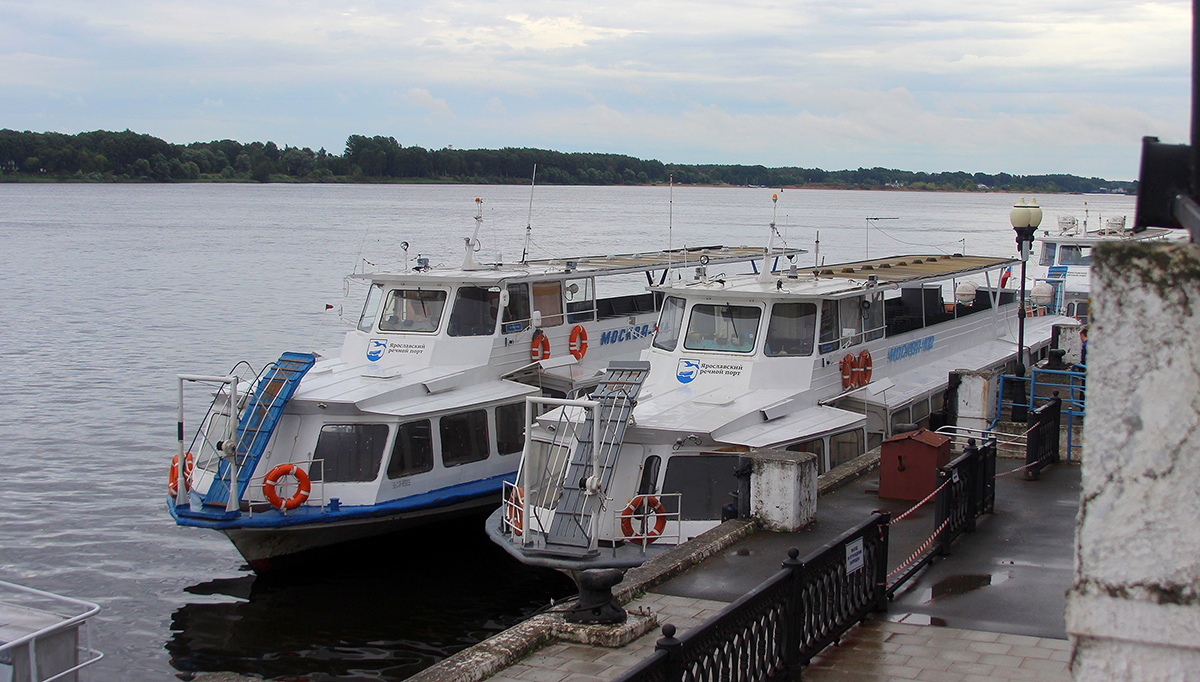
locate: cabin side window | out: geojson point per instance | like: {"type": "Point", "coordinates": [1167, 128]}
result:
{"type": "Point", "coordinates": [844, 447]}
{"type": "Point", "coordinates": [791, 329]}
{"type": "Point", "coordinates": [547, 300]}
{"type": "Point", "coordinates": [510, 428]}
{"type": "Point", "coordinates": [670, 323]}
{"type": "Point", "coordinates": [474, 312]}
{"type": "Point", "coordinates": [851, 313]}
{"type": "Point", "coordinates": [1074, 254]}
{"type": "Point", "coordinates": [412, 453]}
{"type": "Point", "coordinates": [727, 328]}
{"type": "Point", "coordinates": [817, 447]}
{"type": "Point", "coordinates": [412, 310]}
{"type": "Point", "coordinates": [705, 484]}
{"type": "Point", "coordinates": [581, 300]}
{"type": "Point", "coordinates": [648, 484]}
{"type": "Point", "coordinates": [367, 320]}
{"type": "Point", "coordinates": [1048, 249]}
{"type": "Point", "coordinates": [874, 326]}
{"type": "Point", "coordinates": [516, 313]}
{"type": "Point", "coordinates": [464, 437]}
{"type": "Point", "coordinates": [350, 452]}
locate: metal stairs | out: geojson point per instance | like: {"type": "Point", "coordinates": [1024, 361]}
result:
{"type": "Point", "coordinates": [600, 438]}
{"type": "Point", "coordinates": [258, 422]}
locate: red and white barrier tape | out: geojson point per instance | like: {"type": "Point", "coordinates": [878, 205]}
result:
{"type": "Point", "coordinates": [1013, 471]}
{"type": "Point", "coordinates": [918, 505]}
{"type": "Point", "coordinates": [920, 550]}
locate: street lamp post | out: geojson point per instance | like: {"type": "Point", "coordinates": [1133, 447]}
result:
{"type": "Point", "coordinates": [1025, 220]}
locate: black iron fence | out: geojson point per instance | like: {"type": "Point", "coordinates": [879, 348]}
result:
{"type": "Point", "coordinates": [1041, 445]}
{"type": "Point", "coordinates": [776, 629]}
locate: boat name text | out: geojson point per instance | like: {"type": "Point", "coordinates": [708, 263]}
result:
{"type": "Point", "coordinates": [627, 334]}
{"type": "Point", "coordinates": [909, 349]}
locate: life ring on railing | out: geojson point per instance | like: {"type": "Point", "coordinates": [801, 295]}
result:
{"type": "Point", "coordinates": [864, 365]}
{"type": "Point", "coordinates": [303, 487]}
{"type": "Point", "coordinates": [173, 477]}
{"type": "Point", "coordinates": [642, 507]}
{"type": "Point", "coordinates": [578, 342]}
{"type": "Point", "coordinates": [847, 367]}
{"type": "Point", "coordinates": [514, 510]}
{"type": "Point", "coordinates": [539, 349]}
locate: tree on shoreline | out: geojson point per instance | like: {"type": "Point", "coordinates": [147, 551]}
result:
{"type": "Point", "coordinates": [103, 156]}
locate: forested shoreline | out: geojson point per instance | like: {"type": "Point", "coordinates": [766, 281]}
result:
{"type": "Point", "coordinates": [105, 156]}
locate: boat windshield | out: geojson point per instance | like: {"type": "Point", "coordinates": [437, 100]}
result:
{"type": "Point", "coordinates": [367, 320]}
{"type": "Point", "coordinates": [474, 313]}
{"type": "Point", "coordinates": [1075, 254]}
{"type": "Point", "coordinates": [670, 324]}
{"type": "Point", "coordinates": [412, 310]}
{"type": "Point", "coordinates": [729, 328]}
{"type": "Point", "coordinates": [1048, 250]}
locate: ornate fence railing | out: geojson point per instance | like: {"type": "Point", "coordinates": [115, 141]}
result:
{"type": "Point", "coordinates": [1042, 437]}
{"type": "Point", "coordinates": [777, 628]}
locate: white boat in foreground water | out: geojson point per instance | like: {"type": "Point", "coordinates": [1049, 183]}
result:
{"type": "Point", "coordinates": [827, 361]}
{"type": "Point", "coordinates": [420, 415]}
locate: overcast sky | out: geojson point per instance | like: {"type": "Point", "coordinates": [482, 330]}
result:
{"type": "Point", "coordinates": [1027, 87]}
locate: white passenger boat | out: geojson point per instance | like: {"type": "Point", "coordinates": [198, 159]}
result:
{"type": "Point", "coordinates": [826, 361]}
{"type": "Point", "coordinates": [419, 415]}
{"type": "Point", "coordinates": [1061, 273]}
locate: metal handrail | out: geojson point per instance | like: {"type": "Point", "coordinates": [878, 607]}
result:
{"type": "Point", "coordinates": [90, 609]}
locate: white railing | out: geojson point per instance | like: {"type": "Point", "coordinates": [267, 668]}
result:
{"type": "Point", "coordinates": [10, 651]}
{"type": "Point", "coordinates": [650, 519]}
{"type": "Point", "coordinates": [960, 434]}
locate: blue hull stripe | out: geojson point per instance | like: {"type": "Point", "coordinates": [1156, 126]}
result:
{"type": "Point", "coordinates": [306, 516]}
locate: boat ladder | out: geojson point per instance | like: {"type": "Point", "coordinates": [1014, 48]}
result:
{"type": "Point", "coordinates": [258, 422]}
{"type": "Point", "coordinates": [599, 442]}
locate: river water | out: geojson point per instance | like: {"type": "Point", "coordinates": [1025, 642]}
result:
{"type": "Point", "coordinates": [109, 291]}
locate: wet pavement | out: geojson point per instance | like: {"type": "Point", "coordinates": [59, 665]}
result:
{"type": "Point", "coordinates": [990, 609]}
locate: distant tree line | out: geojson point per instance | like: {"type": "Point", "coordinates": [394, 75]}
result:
{"type": "Point", "coordinates": [103, 156]}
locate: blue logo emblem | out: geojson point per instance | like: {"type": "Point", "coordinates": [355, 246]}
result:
{"type": "Point", "coordinates": [376, 348]}
{"type": "Point", "coordinates": [687, 370]}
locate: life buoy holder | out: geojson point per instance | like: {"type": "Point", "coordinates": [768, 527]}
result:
{"type": "Point", "coordinates": [578, 342]}
{"type": "Point", "coordinates": [864, 366]}
{"type": "Point", "coordinates": [539, 349]}
{"type": "Point", "coordinates": [642, 507]}
{"type": "Point", "coordinates": [515, 510]}
{"type": "Point", "coordinates": [173, 477]}
{"type": "Point", "coordinates": [303, 487]}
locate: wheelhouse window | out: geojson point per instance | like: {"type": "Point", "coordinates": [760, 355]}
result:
{"type": "Point", "coordinates": [791, 329]}
{"type": "Point", "coordinates": [464, 437]}
{"type": "Point", "coordinates": [727, 328]}
{"type": "Point", "coordinates": [412, 310]}
{"type": "Point", "coordinates": [1075, 254]}
{"type": "Point", "coordinates": [516, 313]}
{"type": "Point", "coordinates": [367, 320]}
{"type": "Point", "coordinates": [412, 453]}
{"type": "Point", "coordinates": [874, 326]}
{"type": "Point", "coordinates": [581, 300]}
{"type": "Point", "coordinates": [850, 321]}
{"type": "Point", "coordinates": [474, 312]}
{"type": "Point", "coordinates": [510, 428]}
{"type": "Point", "coordinates": [1048, 250]}
{"type": "Point", "coordinates": [670, 324]}
{"type": "Point", "coordinates": [547, 300]}
{"type": "Point", "coordinates": [350, 452]}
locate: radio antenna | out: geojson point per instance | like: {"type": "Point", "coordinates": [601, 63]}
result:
{"type": "Point", "coordinates": [529, 220]}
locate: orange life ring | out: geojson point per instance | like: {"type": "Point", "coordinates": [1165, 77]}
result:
{"type": "Point", "coordinates": [514, 510]}
{"type": "Point", "coordinates": [578, 342]}
{"type": "Point", "coordinates": [540, 348]}
{"type": "Point", "coordinates": [303, 486]}
{"type": "Point", "coordinates": [864, 364]}
{"type": "Point", "coordinates": [642, 507]}
{"type": "Point", "coordinates": [173, 477]}
{"type": "Point", "coordinates": [847, 367]}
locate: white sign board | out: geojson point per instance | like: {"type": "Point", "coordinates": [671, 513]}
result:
{"type": "Point", "coordinates": [854, 556]}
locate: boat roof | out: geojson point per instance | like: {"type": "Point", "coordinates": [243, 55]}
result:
{"type": "Point", "coordinates": [583, 266]}
{"type": "Point", "coordinates": [830, 280]}
{"type": "Point", "coordinates": [1107, 235]}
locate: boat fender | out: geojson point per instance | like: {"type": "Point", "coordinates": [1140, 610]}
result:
{"type": "Point", "coordinates": [644, 506]}
{"type": "Point", "coordinates": [173, 477]}
{"type": "Point", "coordinates": [539, 349]}
{"type": "Point", "coordinates": [514, 509]}
{"type": "Point", "coordinates": [578, 342]}
{"type": "Point", "coordinates": [303, 487]}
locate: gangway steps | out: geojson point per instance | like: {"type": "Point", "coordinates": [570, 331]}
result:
{"type": "Point", "coordinates": [258, 422]}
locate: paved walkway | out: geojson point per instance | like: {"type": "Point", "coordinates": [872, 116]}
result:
{"type": "Point", "coordinates": [992, 611]}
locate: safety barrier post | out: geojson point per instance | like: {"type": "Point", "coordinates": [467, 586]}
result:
{"type": "Point", "coordinates": [884, 524]}
{"type": "Point", "coordinates": [793, 617]}
{"type": "Point", "coordinates": [672, 646]}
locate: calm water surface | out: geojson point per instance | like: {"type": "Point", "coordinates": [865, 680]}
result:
{"type": "Point", "coordinates": [109, 291]}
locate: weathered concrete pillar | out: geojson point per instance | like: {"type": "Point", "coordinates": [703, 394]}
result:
{"type": "Point", "coordinates": [1134, 611]}
{"type": "Point", "coordinates": [977, 398]}
{"type": "Point", "coordinates": [783, 489]}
